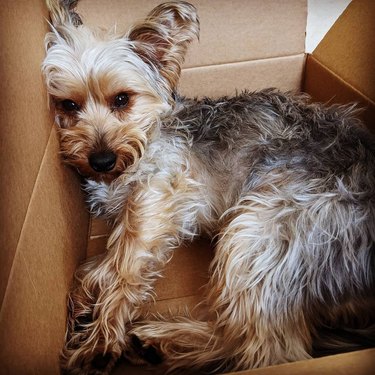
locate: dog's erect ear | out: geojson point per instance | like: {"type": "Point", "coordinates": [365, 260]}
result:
{"type": "Point", "coordinates": [62, 12]}
{"type": "Point", "coordinates": [63, 18]}
{"type": "Point", "coordinates": [162, 38]}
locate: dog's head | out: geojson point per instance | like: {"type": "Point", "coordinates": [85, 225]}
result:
{"type": "Point", "coordinates": [110, 91]}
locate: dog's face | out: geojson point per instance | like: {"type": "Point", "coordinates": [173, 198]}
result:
{"type": "Point", "coordinates": [110, 92]}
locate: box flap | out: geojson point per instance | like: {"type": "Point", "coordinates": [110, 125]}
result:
{"type": "Point", "coordinates": [325, 86]}
{"type": "Point", "coordinates": [25, 122]}
{"type": "Point", "coordinates": [342, 67]}
{"type": "Point", "coordinates": [355, 363]}
{"type": "Point", "coordinates": [52, 243]}
{"type": "Point", "coordinates": [348, 49]}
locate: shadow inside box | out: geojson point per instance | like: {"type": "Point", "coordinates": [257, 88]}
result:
{"type": "Point", "coordinates": [123, 367]}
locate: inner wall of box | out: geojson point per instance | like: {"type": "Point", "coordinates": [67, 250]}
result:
{"type": "Point", "coordinates": [243, 45]}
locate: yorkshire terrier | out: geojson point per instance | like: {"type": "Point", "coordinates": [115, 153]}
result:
{"type": "Point", "coordinates": [286, 188]}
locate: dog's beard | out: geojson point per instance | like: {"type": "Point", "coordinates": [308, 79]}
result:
{"type": "Point", "coordinates": [127, 143]}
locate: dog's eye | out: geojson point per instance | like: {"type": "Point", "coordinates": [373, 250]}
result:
{"type": "Point", "coordinates": [69, 106]}
{"type": "Point", "coordinates": [121, 100]}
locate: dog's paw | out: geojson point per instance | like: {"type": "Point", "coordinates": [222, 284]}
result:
{"type": "Point", "coordinates": [84, 352]}
{"type": "Point", "coordinates": [141, 352]}
{"type": "Point", "coordinates": [96, 363]}
{"type": "Point", "coordinates": [103, 363]}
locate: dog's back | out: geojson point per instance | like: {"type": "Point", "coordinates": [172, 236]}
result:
{"type": "Point", "coordinates": [315, 166]}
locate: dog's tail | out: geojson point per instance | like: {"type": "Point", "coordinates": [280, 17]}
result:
{"type": "Point", "coordinates": [62, 12]}
{"type": "Point", "coordinates": [333, 341]}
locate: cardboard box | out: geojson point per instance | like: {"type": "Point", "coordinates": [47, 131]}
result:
{"type": "Point", "coordinates": [45, 229]}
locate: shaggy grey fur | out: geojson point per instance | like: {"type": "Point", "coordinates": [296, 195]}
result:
{"type": "Point", "coordinates": [243, 140]}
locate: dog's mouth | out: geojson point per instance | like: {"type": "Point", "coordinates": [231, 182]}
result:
{"type": "Point", "coordinates": [87, 172]}
{"type": "Point", "coordinates": [103, 165]}
{"type": "Point", "coordinates": [101, 160]}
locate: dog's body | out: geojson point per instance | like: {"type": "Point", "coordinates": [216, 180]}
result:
{"type": "Point", "coordinates": [286, 188]}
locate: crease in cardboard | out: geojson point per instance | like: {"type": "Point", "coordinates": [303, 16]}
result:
{"type": "Point", "coordinates": [349, 49]}
{"type": "Point", "coordinates": [176, 298]}
{"type": "Point", "coordinates": [10, 276]}
{"type": "Point", "coordinates": [242, 62]}
{"type": "Point", "coordinates": [222, 80]}
{"type": "Point", "coordinates": [28, 273]}
{"type": "Point", "coordinates": [341, 80]}
{"type": "Point", "coordinates": [98, 236]}
{"type": "Point", "coordinates": [88, 235]}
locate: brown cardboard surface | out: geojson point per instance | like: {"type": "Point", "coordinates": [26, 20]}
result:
{"type": "Point", "coordinates": [284, 73]}
{"type": "Point", "coordinates": [52, 243]}
{"type": "Point", "coordinates": [25, 123]}
{"type": "Point", "coordinates": [98, 233]}
{"type": "Point", "coordinates": [96, 245]}
{"type": "Point", "coordinates": [186, 273]}
{"type": "Point", "coordinates": [98, 227]}
{"type": "Point", "coordinates": [349, 47]}
{"type": "Point", "coordinates": [179, 305]}
{"type": "Point", "coordinates": [327, 87]}
{"type": "Point", "coordinates": [231, 31]}
{"type": "Point", "coordinates": [356, 363]}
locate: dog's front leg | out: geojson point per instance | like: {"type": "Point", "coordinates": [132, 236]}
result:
{"type": "Point", "coordinates": [112, 291]}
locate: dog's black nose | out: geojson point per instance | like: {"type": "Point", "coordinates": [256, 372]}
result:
{"type": "Point", "coordinates": [102, 161]}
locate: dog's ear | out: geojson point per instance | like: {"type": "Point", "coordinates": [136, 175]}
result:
{"type": "Point", "coordinates": [62, 19]}
{"type": "Point", "coordinates": [62, 12]}
{"type": "Point", "coordinates": [162, 38]}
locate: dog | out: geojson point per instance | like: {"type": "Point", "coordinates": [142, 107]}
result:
{"type": "Point", "coordinates": [285, 188]}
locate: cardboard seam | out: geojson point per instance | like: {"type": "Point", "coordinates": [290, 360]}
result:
{"type": "Point", "coordinates": [88, 236]}
{"type": "Point", "coordinates": [241, 62]}
{"type": "Point", "coordinates": [359, 93]}
{"type": "Point", "coordinates": [24, 221]}
{"type": "Point", "coordinates": [177, 298]}
{"type": "Point", "coordinates": [98, 236]}
{"type": "Point", "coordinates": [90, 228]}
{"type": "Point", "coordinates": [28, 272]}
